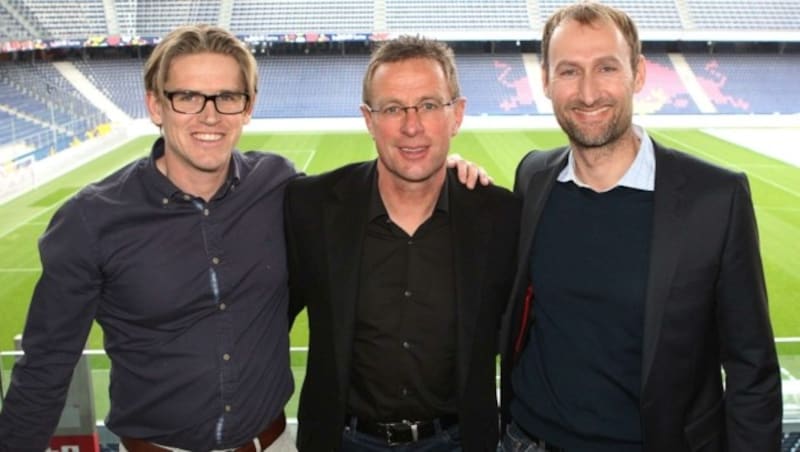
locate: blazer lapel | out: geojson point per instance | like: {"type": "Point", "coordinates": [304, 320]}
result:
{"type": "Point", "coordinates": [668, 235]}
{"type": "Point", "coordinates": [535, 176]}
{"type": "Point", "coordinates": [345, 224]}
{"type": "Point", "coordinates": [540, 183]}
{"type": "Point", "coordinates": [471, 227]}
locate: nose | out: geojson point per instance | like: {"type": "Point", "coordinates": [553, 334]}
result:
{"type": "Point", "coordinates": [588, 89]}
{"type": "Point", "coordinates": [412, 124]}
{"type": "Point", "coordinates": [209, 113]}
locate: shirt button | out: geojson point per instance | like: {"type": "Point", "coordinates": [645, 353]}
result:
{"type": "Point", "coordinates": [165, 201]}
{"type": "Point", "coordinates": [228, 408]}
{"type": "Point", "coordinates": [222, 306]}
{"type": "Point", "coordinates": [406, 345]}
{"type": "Point", "coordinates": [405, 392]}
{"type": "Point", "coordinates": [407, 294]}
{"type": "Point", "coordinates": [205, 212]}
{"type": "Point", "coordinates": [411, 242]}
{"type": "Point", "coordinates": [215, 260]}
{"type": "Point", "coordinates": [186, 197]}
{"type": "Point", "coordinates": [226, 357]}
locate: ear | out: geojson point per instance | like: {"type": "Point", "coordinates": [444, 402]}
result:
{"type": "Point", "coordinates": [368, 119]}
{"type": "Point", "coordinates": [155, 108]}
{"type": "Point", "coordinates": [640, 75]}
{"type": "Point", "coordinates": [248, 112]}
{"type": "Point", "coordinates": [458, 109]}
{"type": "Point", "coordinates": [545, 82]}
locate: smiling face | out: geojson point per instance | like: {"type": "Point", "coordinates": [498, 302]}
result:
{"type": "Point", "coordinates": [199, 144]}
{"type": "Point", "coordinates": [412, 148]}
{"type": "Point", "coordinates": [591, 83]}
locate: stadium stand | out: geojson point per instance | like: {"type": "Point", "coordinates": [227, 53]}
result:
{"type": "Point", "coordinates": [411, 16]}
{"type": "Point", "coordinates": [157, 17]}
{"type": "Point", "coordinates": [648, 14]}
{"type": "Point", "coordinates": [44, 110]}
{"type": "Point", "coordinates": [79, 19]}
{"type": "Point", "coordinates": [120, 80]}
{"type": "Point", "coordinates": [10, 28]}
{"type": "Point", "coordinates": [286, 82]}
{"type": "Point", "coordinates": [38, 102]}
{"type": "Point", "coordinates": [302, 16]}
{"type": "Point", "coordinates": [758, 15]}
{"type": "Point", "coordinates": [495, 84]}
{"type": "Point", "coordinates": [751, 83]}
{"type": "Point", "coordinates": [71, 19]}
{"type": "Point", "coordinates": [663, 92]}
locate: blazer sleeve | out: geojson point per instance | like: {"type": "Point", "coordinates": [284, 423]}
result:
{"type": "Point", "coordinates": [753, 402]}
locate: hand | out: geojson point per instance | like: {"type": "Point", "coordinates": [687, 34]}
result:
{"type": "Point", "coordinates": [468, 173]}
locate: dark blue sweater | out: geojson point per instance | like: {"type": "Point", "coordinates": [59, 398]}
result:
{"type": "Point", "coordinates": [578, 380]}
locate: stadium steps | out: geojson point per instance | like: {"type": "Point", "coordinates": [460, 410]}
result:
{"type": "Point", "coordinates": [90, 91]}
{"type": "Point", "coordinates": [691, 84]}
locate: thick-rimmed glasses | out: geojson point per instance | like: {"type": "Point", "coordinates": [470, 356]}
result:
{"type": "Point", "coordinates": [425, 109]}
{"type": "Point", "coordinates": [192, 102]}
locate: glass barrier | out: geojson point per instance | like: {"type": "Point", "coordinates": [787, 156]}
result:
{"type": "Point", "coordinates": [788, 354]}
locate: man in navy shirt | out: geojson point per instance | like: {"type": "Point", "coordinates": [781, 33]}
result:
{"type": "Point", "coordinates": [180, 258]}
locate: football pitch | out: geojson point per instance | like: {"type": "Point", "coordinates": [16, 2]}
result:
{"type": "Point", "coordinates": [775, 187]}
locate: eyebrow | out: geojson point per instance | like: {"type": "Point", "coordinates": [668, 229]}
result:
{"type": "Point", "coordinates": [601, 60]}
{"type": "Point", "coordinates": [425, 98]}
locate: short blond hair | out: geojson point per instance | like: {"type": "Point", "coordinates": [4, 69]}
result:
{"type": "Point", "coordinates": [194, 39]}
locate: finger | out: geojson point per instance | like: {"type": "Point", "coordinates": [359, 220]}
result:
{"type": "Point", "coordinates": [453, 160]}
{"type": "Point", "coordinates": [473, 173]}
{"type": "Point", "coordinates": [463, 171]}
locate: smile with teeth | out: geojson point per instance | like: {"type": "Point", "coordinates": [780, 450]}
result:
{"type": "Point", "coordinates": [208, 136]}
{"type": "Point", "coordinates": [412, 150]}
{"type": "Point", "coordinates": [591, 112]}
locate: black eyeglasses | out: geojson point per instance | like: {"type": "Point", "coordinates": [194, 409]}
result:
{"type": "Point", "coordinates": [192, 102]}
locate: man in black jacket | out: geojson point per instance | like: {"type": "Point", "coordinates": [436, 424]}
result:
{"type": "Point", "coordinates": [642, 271]}
{"type": "Point", "coordinates": [405, 274]}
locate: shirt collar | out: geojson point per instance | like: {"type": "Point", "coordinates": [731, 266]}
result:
{"type": "Point", "coordinates": [168, 189]}
{"type": "Point", "coordinates": [377, 209]}
{"type": "Point", "coordinates": [641, 175]}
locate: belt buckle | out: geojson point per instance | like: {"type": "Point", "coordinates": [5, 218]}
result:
{"type": "Point", "coordinates": [414, 429]}
{"type": "Point", "coordinates": [390, 441]}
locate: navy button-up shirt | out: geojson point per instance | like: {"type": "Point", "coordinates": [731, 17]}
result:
{"type": "Point", "coordinates": [192, 299]}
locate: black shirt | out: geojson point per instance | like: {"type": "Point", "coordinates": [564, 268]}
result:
{"type": "Point", "coordinates": [403, 359]}
{"type": "Point", "coordinates": [191, 297]}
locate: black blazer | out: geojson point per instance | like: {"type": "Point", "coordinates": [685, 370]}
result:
{"type": "Point", "coordinates": [706, 307]}
{"type": "Point", "coordinates": [326, 217]}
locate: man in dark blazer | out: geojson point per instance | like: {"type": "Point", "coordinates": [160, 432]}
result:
{"type": "Point", "coordinates": [405, 274]}
{"type": "Point", "coordinates": [639, 277]}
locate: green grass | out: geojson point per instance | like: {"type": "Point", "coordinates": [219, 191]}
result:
{"type": "Point", "coordinates": [775, 187]}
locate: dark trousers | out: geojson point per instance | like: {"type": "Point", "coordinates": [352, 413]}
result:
{"type": "Point", "coordinates": [448, 440]}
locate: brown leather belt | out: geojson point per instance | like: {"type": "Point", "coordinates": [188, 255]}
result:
{"type": "Point", "coordinates": [265, 438]}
